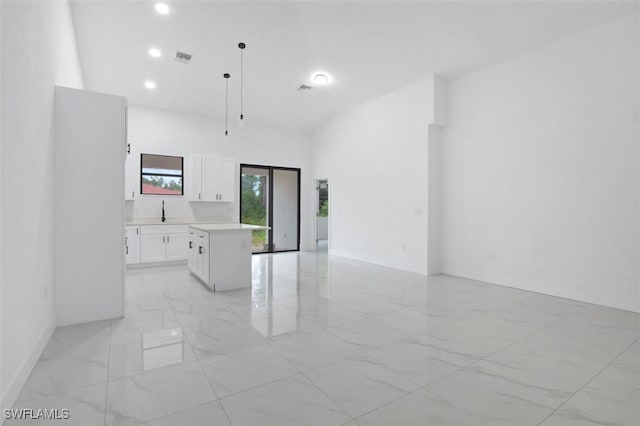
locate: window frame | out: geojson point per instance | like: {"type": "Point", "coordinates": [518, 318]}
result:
{"type": "Point", "coordinates": [142, 154]}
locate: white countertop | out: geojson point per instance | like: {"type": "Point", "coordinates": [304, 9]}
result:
{"type": "Point", "coordinates": [210, 227]}
{"type": "Point", "coordinates": [156, 222]}
{"type": "Point", "coordinates": [171, 221]}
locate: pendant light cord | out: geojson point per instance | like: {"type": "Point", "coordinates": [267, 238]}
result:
{"type": "Point", "coordinates": [226, 103]}
{"type": "Point", "coordinates": [226, 107]}
{"type": "Point", "coordinates": [241, 84]}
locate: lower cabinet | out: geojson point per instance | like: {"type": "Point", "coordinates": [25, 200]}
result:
{"type": "Point", "coordinates": [152, 248]}
{"type": "Point", "coordinates": [177, 246]}
{"type": "Point", "coordinates": [156, 243]}
{"type": "Point", "coordinates": [199, 254]}
{"type": "Point", "coordinates": [132, 244]}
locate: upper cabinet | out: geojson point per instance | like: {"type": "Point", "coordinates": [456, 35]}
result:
{"type": "Point", "coordinates": [211, 179]}
{"type": "Point", "coordinates": [131, 175]}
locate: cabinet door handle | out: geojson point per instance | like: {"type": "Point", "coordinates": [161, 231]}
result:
{"type": "Point", "coordinates": [131, 194]}
{"type": "Point", "coordinates": [126, 249]}
{"type": "Point", "coordinates": [163, 239]}
{"type": "Point", "coordinates": [199, 196]}
{"type": "Point", "coordinates": [167, 239]}
{"type": "Point", "coordinates": [190, 244]}
{"type": "Point", "coordinates": [199, 249]}
{"type": "Point", "coordinates": [137, 231]}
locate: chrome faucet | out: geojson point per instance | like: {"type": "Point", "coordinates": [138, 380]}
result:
{"type": "Point", "coordinates": [163, 218]}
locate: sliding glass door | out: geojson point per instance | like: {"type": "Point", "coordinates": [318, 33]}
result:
{"type": "Point", "coordinates": [271, 196]}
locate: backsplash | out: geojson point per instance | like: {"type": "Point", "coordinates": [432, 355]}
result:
{"type": "Point", "coordinates": [178, 208]}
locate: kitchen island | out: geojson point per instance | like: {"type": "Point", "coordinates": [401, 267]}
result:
{"type": "Point", "coordinates": [220, 254]}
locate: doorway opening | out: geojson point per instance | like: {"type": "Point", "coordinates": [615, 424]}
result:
{"type": "Point", "coordinates": [270, 196]}
{"type": "Point", "coordinates": [322, 215]}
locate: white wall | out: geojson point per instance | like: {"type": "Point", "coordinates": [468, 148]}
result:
{"type": "Point", "coordinates": [376, 157]}
{"type": "Point", "coordinates": [540, 174]}
{"type": "Point", "coordinates": [39, 38]}
{"type": "Point", "coordinates": [157, 131]}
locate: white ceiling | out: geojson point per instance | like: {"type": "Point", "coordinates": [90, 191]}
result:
{"type": "Point", "coordinates": [370, 48]}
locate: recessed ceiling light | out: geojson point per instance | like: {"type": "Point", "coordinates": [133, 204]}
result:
{"type": "Point", "coordinates": [162, 8]}
{"type": "Point", "coordinates": [150, 84]}
{"type": "Point", "coordinates": [320, 78]}
{"type": "Point", "coordinates": [155, 53]}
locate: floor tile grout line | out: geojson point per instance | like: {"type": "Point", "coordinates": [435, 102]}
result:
{"type": "Point", "coordinates": [260, 385]}
{"type": "Point", "coordinates": [587, 383]}
{"type": "Point", "coordinates": [106, 394]}
{"type": "Point", "coordinates": [327, 396]}
{"type": "Point", "coordinates": [214, 392]}
{"type": "Point", "coordinates": [62, 392]}
{"type": "Point", "coordinates": [176, 412]}
{"type": "Point", "coordinates": [495, 352]}
{"type": "Point", "coordinates": [414, 392]}
{"type": "Point", "coordinates": [197, 359]}
{"type": "Point", "coordinates": [470, 414]}
{"type": "Point", "coordinates": [301, 372]}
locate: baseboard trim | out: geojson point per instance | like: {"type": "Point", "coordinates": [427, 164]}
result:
{"type": "Point", "coordinates": [19, 379]}
{"type": "Point", "coordinates": [353, 256]}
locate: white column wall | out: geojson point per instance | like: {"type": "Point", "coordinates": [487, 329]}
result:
{"type": "Point", "coordinates": [376, 157]}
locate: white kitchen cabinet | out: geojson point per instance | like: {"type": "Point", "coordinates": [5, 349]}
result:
{"type": "Point", "coordinates": [195, 178]}
{"type": "Point", "coordinates": [212, 179]}
{"type": "Point", "coordinates": [163, 243]}
{"type": "Point", "coordinates": [152, 248]}
{"type": "Point", "coordinates": [227, 180]}
{"type": "Point", "coordinates": [223, 257]}
{"type": "Point", "coordinates": [199, 254]}
{"type": "Point", "coordinates": [131, 175]}
{"type": "Point", "coordinates": [132, 244]}
{"type": "Point", "coordinates": [177, 246]}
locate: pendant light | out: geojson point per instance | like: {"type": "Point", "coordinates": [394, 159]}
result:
{"type": "Point", "coordinates": [241, 46]}
{"type": "Point", "coordinates": [226, 103]}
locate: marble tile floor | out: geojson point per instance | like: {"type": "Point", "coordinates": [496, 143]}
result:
{"type": "Point", "coordinates": [320, 340]}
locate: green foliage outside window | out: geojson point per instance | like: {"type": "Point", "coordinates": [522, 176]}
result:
{"type": "Point", "coordinates": [324, 209]}
{"type": "Point", "coordinates": [254, 205]}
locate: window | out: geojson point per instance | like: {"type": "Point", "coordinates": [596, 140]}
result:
{"type": "Point", "coordinates": [161, 174]}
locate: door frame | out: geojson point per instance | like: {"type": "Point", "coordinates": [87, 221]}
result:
{"type": "Point", "coordinates": [270, 198]}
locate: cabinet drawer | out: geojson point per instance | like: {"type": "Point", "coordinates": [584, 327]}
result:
{"type": "Point", "coordinates": [176, 229]}
{"type": "Point", "coordinates": [152, 229]}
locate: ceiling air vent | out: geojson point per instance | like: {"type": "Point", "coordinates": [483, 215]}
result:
{"type": "Point", "coordinates": [304, 88]}
{"type": "Point", "coordinates": [182, 57]}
